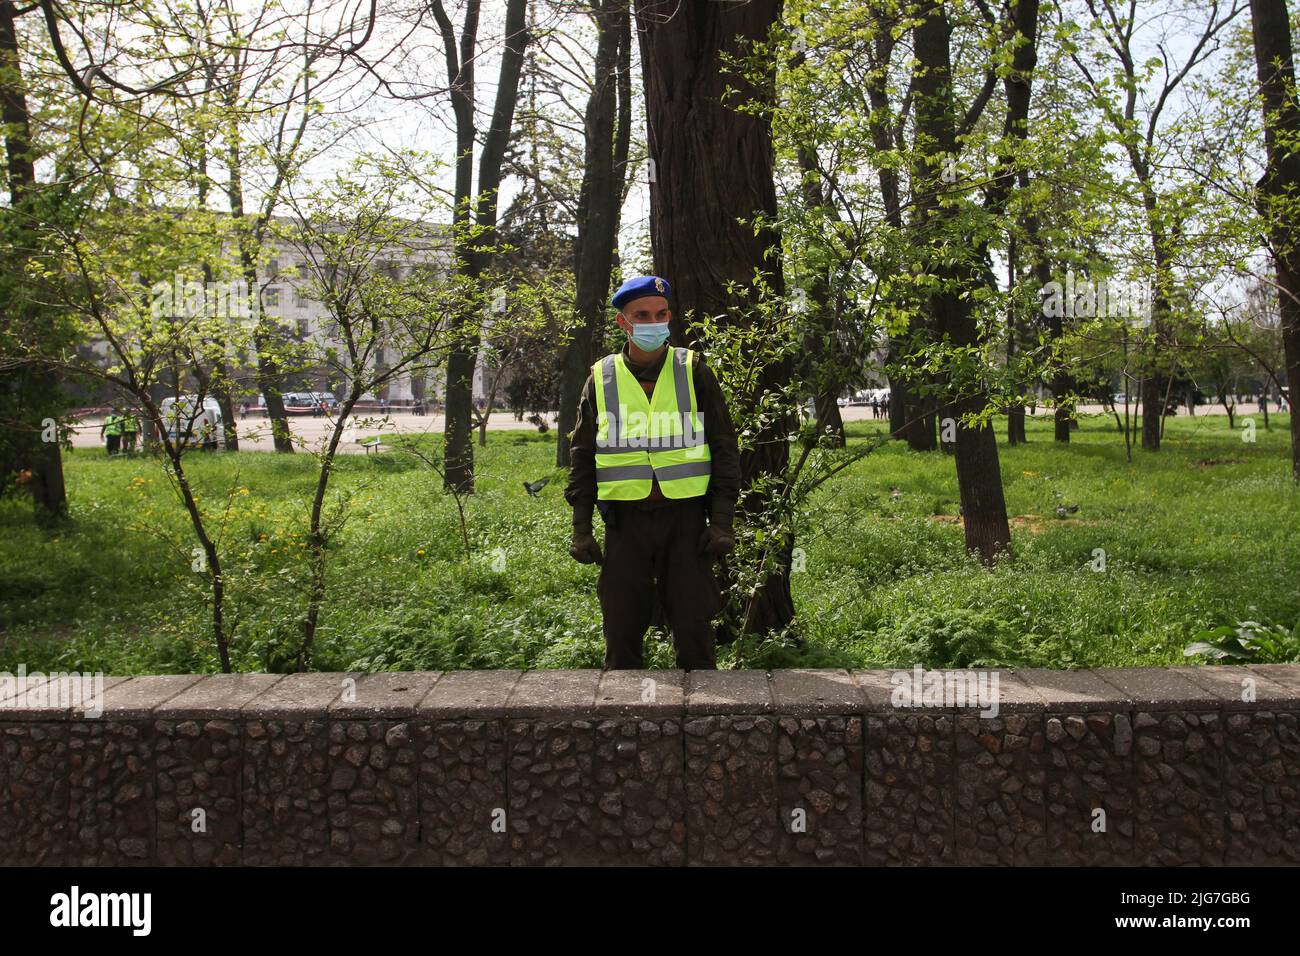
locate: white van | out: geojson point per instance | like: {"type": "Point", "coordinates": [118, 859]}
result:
{"type": "Point", "coordinates": [193, 427]}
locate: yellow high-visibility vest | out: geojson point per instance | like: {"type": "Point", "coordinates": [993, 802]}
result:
{"type": "Point", "coordinates": [640, 439]}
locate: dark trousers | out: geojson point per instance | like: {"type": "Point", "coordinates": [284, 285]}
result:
{"type": "Point", "coordinates": [653, 551]}
{"type": "Point", "coordinates": [114, 443]}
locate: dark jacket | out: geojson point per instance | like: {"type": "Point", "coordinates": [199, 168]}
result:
{"type": "Point", "coordinates": [724, 477]}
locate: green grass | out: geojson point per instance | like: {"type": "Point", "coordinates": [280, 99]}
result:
{"type": "Point", "coordinates": [884, 580]}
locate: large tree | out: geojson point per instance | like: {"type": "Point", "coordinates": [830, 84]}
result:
{"type": "Point", "coordinates": [475, 219]}
{"type": "Point", "coordinates": [1140, 113]}
{"type": "Point", "coordinates": [28, 389]}
{"type": "Point", "coordinates": [712, 167]}
{"type": "Point", "coordinates": [599, 202]}
{"type": "Point", "coordinates": [1279, 188]}
{"type": "Point", "coordinates": [953, 320]}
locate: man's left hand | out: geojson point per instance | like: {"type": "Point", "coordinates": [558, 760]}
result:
{"type": "Point", "coordinates": [717, 541]}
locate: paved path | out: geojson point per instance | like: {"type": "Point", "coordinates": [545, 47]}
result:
{"type": "Point", "coordinates": [309, 432]}
{"type": "Point", "coordinates": [255, 434]}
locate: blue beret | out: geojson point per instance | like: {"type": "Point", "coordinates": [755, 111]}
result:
{"type": "Point", "coordinates": [638, 287]}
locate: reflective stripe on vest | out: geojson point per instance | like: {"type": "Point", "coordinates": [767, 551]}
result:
{"type": "Point", "coordinates": [640, 438]}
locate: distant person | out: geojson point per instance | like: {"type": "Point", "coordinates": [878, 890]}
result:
{"type": "Point", "coordinates": [130, 428]}
{"type": "Point", "coordinates": [111, 431]}
{"type": "Point", "coordinates": [243, 409]}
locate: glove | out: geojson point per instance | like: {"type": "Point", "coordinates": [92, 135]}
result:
{"type": "Point", "coordinates": [717, 541]}
{"type": "Point", "coordinates": [584, 549]}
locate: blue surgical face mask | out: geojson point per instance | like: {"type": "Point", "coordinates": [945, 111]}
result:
{"type": "Point", "coordinates": [648, 336]}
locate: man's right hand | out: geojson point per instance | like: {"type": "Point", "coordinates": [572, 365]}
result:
{"type": "Point", "coordinates": [584, 549]}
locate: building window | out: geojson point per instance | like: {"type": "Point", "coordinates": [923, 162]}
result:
{"type": "Point", "coordinates": [302, 328]}
{"type": "Point", "coordinates": [272, 297]}
{"type": "Point", "coordinates": [273, 267]}
{"type": "Point", "coordinates": [300, 298]}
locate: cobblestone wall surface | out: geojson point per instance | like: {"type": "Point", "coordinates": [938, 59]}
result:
{"type": "Point", "coordinates": [1167, 767]}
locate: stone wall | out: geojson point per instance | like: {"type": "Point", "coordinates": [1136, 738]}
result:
{"type": "Point", "coordinates": [800, 767]}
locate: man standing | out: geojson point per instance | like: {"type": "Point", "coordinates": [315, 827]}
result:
{"type": "Point", "coordinates": [654, 449]}
{"type": "Point", "coordinates": [111, 430]}
{"type": "Point", "coordinates": [130, 427]}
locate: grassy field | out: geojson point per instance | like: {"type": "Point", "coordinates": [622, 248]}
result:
{"type": "Point", "coordinates": [1197, 535]}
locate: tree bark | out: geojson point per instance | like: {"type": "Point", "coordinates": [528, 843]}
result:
{"type": "Point", "coordinates": [49, 493]}
{"type": "Point", "coordinates": [475, 256]}
{"type": "Point", "coordinates": [264, 332]}
{"type": "Point", "coordinates": [219, 382]}
{"type": "Point", "coordinates": [979, 478]}
{"type": "Point", "coordinates": [1271, 29]}
{"type": "Point", "coordinates": [820, 345]}
{"type": "Point", "coordinates": [713, 165]}
{"type": "Point", "coordinates": [1151, 412]}
{"type": "Point", "coordinates": [1016, 413]}
{"type": "Point", "coordinates": [598, 208]}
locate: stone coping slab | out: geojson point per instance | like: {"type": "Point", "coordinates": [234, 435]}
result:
{"type": "Point", "coordinates": [300, 696]}
{"type": "Point", "coordinates": [216, 696]}
{"type": "Point", "coordinates": [813, 693]}
{"type": "Point", "coordinates": [1157, 689]}
{"type": "Point", "coordinates": [1073, 691]}
{"type": "Point", "coordinates": [386, 694]}
{"type": "Point", "coordinates": [481, 694]}
{"type": "Point", "coordinates": [555, 693]}
{"type": "Point", "coordinates": [641, 693]}
{"type": "Point", "coordinates": [710, 693]}
{"type": "Point", "coordinates": [1287, 675]}
{"type": "Point", "coordinates": [561, 694]}
{"type": "Point", "coordinates": [953, 690]}
{"type": "Point", "coordinates": [1231, 687]}
{"type": "Point", "coordinates": [56, 698]}
{"type": "Point", "coordinates": [138, 697]}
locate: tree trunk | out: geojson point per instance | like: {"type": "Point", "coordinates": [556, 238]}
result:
{"type": "Point", "coordinates": [49, 493]}
{"type": "Point", "coordinates": [821, 351]}
{"type": "Point", "coordinates": [264, 332]}
{"type": "Point", "coordinates": [1271, 30]}
{"type": "Point", "coordinates": [906, 418]}
{"type": "Point", "coordinates": [475, 255]}
{"type": "Point", "coordinates": [979, 478]}
{"type": "Point", "coordinates": [829, 416]}
{"type": "Point", "coordinates": [920, 423]}
{"type": "Point", "coordinates": [1016, 425]}
{"type": "Point", "coordinates": [1016, 413]}
{"type": "Point", "coordinates": [219, 382]}
{"type": "Point", "coordinates": [1151, 412]}
{"type": "Point", "coordinates": [897, 399]}
{"type": "Point", "coordinates": [598, 208]}
{"type": "Point", "coordinates": [699, 191]}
